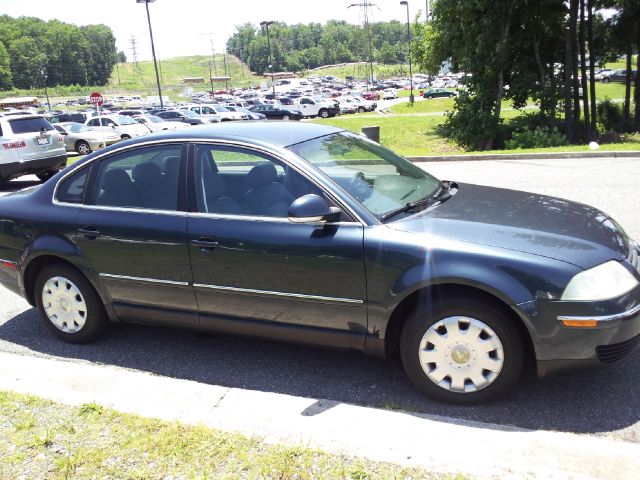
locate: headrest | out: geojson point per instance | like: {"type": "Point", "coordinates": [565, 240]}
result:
{"type": "Point", "coordinates": [171, 165]}
{"type": "Point", "coordinates": [115, 180]}
{"type": "Point", "coordinates": [262, 174]}
{"type": "Point", "coordinates": [147, 173]}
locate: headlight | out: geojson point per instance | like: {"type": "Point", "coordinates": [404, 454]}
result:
{"type": "Point", "coordinates": [603, 282]}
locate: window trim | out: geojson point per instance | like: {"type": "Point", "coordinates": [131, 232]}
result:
{"type": "Point", "coordinates": [355, 219]}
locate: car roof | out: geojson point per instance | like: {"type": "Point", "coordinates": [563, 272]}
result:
{"type": "Point", "coordinates": [281, 134]}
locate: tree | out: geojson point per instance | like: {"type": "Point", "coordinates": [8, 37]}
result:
{"type": "Point", "coordinates": [6, 76]}
{"type": "Point", "coordinates": [122, 57]}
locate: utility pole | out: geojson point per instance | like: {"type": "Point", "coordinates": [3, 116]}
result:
{"type": "Point", "coordinates": [134, 51]}
{"type": "Point", "coordinates": [364, 13]}
{"type": "Point", "coordinates": [43, 71]}
{"type": "Point", "coordinates": [406, 4]}
{"type": "Point", "coordinates": [226, 72]}
{"type": "Point", "coordinates": [210, 77]}
{"type": "Point", "coordinates": [273, 83]}
{"type": "Point", "coordinates": [153, 48]}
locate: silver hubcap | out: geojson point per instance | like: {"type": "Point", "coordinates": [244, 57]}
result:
{"type": "Point", "coordinates": [461, 354]}
{"type": "Point", "coordinates": [83, 148]}
{"type": "Point", "coordinates": [64, 304]}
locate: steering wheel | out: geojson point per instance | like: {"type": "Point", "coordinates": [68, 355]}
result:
{"type": "Point", "coordinates": [359, 187]}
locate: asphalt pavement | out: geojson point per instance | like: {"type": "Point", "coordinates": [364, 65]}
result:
{"type": "Point", "coordinates": [604, 402]}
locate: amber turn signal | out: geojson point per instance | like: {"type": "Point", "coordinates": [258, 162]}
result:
{"type": "Point", "coordinates": [580, 323]}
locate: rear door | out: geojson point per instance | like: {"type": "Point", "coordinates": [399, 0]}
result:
{"type": "Point", "coordinates": [133, 230]}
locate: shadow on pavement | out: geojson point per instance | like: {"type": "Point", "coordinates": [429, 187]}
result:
{"type": "Point", "coordinates": [591, 402]}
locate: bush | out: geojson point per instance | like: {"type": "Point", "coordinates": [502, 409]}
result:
{"type": "Point", "coordinates": [609, 116]}
{"type": "Point", "coordinates": [536, 138]}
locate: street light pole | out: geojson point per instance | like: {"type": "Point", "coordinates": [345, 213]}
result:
{"type": "Point", "coordinates": [153, 48]}
{"type": "Point", "coordinates": [406, 4]}
{"type": "Point", "coordinates": [273, 83]}
{"type": "Point", "coordinates": [46, 92]}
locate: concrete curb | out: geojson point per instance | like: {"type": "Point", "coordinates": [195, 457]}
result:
{"type": "Point", "coordinates": [526, 156]}
{"type": "Point", "coordinates": [438, 444]}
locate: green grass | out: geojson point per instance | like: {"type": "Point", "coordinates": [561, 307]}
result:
{"type": "Point", "coordinates": [407, 135]}
{"type": "Point", "coordinates": [42, 439]}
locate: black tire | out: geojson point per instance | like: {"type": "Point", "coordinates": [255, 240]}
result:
{"type": "Point", "coordinates": [44, 176]}
{"type": "Point", "coordinates": [125, 137]}
{"type": "Point", "coordinates": [324, 113]}
{"type": "Point", "coordinates": [361, 110]}
{"type": "Point", "coordinates": [606, 80]}
{"type": "Point", "coordinates": [422, 318]}
{"type": "Point", "coordinates": [286, 117]}
{"type": "Point", "coordinates": [429, 97]}
{"type": "Point", "coordinates": [82, 147]}
{"type": "Point", "coordinates": [95, 318]}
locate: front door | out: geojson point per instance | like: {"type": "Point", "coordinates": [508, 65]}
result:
{"type": "Point", "coordinates": [250, 262]}
{"type": "Point", "coordinates": [133, 231]}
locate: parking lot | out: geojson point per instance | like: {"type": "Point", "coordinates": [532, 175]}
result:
{"type": "Point", "coordinates": [605, 402]}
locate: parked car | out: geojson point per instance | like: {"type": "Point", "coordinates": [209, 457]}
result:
{"type": "Point", "coordinates": [185, 116]}
{"type": "Point", "coordinates": [133, 112]}
{"type": "Point", "coordinates": [77, 117]}
{"type": "Point", "coordinates": [251, 115]}
{"type": "Point", "coordinates": [124, 126]}
{"type": "Point", "coordinates": [157, 124]}
{"type": "Point", "coordinates": [80, 138]}
{"type": "Point", "coordinates": [389, 94]}
{"type": "Point", "coordinates": [467, 282]}
{"type": "Point", "coordinates": [363, 105]}
{"type": "Point", "coordinates": [618, 76]}
{"type": "Point", "coordinates": [30, 145]}
{"type": "Point", "coordinates": [310, 107]}
{"type": "Point", "coordinates": [274, 112]}
{"type": "Point", "coordinates": [371, 95]}
{"type": "Point", "coordinates": [437, 93]}
{"type": "Point", "coordinates": [216, 113]}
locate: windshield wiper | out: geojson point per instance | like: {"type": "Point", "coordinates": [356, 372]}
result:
{"type": "Point", "coordinates": [440, 194]}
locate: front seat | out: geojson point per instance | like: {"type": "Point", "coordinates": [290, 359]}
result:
{"type": "Point", "coordinates": [217, 199]}
{"type": "Point", "coordinates": [266, 196]}
{"type": "Point", "coordinates": [147, 177]}
{"type": "Point", "coordinates": [118, 190]}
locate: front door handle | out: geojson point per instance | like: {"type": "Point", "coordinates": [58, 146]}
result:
{"type": "Point", "coordinates": [89, 232]}
{"type": "Point", "coordinates": [204, 243]}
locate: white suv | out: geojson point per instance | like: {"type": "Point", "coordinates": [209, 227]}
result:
{"type": "Point", "coordinates": [29, 144]}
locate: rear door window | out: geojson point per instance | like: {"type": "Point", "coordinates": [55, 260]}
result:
{"type": "Point", "coordinates": [29, 125]}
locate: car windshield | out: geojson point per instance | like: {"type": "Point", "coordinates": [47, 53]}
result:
{"type": "Point", "coordinates": [77, 128]}
{"type": "Point", "coordinates": [375, 176]}
{"type": "Point", "coordinates": [124, 120]}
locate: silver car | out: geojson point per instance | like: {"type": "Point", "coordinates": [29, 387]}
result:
{"type": "Point", "coordinates": [81, 139]}
{"type": "Point", "coordinates": [30, 144]}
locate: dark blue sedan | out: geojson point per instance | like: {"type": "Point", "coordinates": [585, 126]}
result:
{"type": "Point", "coordinates": [308, 233]}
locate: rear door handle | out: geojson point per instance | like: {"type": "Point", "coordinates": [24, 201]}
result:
{"type": "Point", "coordinates": [89, 232]}
{"type": "Point", "coordinates": [205, 243]}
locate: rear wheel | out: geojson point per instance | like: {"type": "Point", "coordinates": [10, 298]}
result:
{"type": "Point", "coordinates": [606, 80]}
{"type": "Point", "coordinates": [286, 117]}
{"type": "Point", "coordinates": [361, 109]}
{"type": "Point", "coordinates": [69, 305]}
{"type": "Point", "coordinates": [83, 147]}
{"type": "Point", "coordinates": [462, 352]}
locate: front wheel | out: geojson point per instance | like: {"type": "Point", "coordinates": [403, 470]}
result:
{"type": "Point", "coordinates": [286, 117]}
{"type": "Point", "coordinates": [69, 305]}
{"type": "Point", "coordinates": [461, 351]}
{"type": "Point", "coordinates": [361, 110]}
{"type": "Point", "coordinates": [324, 113]}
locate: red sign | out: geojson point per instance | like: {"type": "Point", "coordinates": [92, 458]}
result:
{"type": "Point", "coordinates": [96, 99]}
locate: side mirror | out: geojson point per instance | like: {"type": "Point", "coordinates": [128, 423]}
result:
{"type": "Point", "coordinates": [312, 208]}
{"type": "Point", "coordinates": [113, 126]}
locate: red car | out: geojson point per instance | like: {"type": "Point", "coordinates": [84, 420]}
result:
{"type": "Point", "coordinates": [371, 95]}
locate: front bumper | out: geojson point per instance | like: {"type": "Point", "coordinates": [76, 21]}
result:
{"type": "Point", "coordinates": [17, 169]}
{"type": "Point", "coordinates": [560, 348]}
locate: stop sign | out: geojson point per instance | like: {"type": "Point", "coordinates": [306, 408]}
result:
{"type": "Point", "coordinates": [96, 99]}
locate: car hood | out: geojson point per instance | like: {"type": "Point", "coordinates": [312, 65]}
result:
{"type": "Point", "coordinates": [526, 222]}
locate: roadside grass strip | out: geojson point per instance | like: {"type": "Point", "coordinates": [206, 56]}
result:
{"type": "Point", "coordinates": [46, 440]}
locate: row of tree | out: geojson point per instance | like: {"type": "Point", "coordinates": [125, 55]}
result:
{"type": "Point", "coordinates": [545, 50]}
{"type": "Point", "coordinates": [31, 49]}
{"type": "Point", "coordinates": [300, 47]}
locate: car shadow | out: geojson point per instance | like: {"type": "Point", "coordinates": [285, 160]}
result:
{"type": "Point", "coordinates": [601, 401]}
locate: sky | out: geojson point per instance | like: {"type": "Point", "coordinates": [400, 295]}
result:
{"type": "Point", "coordinates": [183, 27]}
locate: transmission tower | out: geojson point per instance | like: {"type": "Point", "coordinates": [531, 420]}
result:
{"type": "Point", "coordinates": [366, 17]}
{"type": "Point", "coordinates": [134, 51]}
